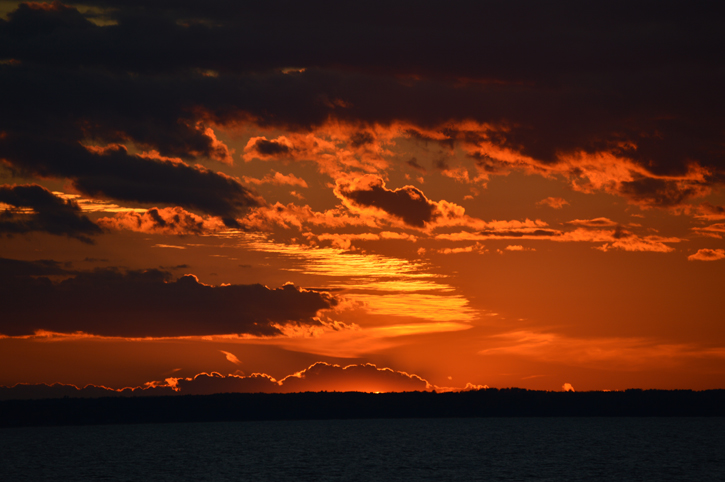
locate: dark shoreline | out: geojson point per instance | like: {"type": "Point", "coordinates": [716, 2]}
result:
{"type": "Point", "coordinates": [356, 405]}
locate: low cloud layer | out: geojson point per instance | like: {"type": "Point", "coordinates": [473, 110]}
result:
{"type": "Point", "coordinates": [318, 377]}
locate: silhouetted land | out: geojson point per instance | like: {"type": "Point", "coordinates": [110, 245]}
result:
{"type": "Point", "coordinates": [355, 405]}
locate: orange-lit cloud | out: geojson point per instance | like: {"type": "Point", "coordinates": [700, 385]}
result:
{"type": "Point", "coordinates": [619, 238]}
{"type": "Point", "coordinates": [553, 202]}
{"type": "Point", "coordinates": [713, 231]}
{"type": "Point", "coordinates": [710, 212]}
{"type": "Point", "coordinates": [217, 149]}
{"type": "Point", "coordinates": [593, 223]}
{"type": "Point", "coordinates": [231, 357]}
{"type": "Point", "coordinates": [163, 221]}
{"type": "Point", "coordinates": [618, 352]}
{"type": "Point", "coordinates": [278, 179]}
{"type": "Point", "coordinates": [707, 254]}
{"type": "Point", "coordinates": [518, 247]}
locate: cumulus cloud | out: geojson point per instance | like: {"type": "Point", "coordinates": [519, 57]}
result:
{"type": "Point", "coordinates": [369, 193]}
{"type": "Point", "coordinates": [707, 254]}
{"type": "Point", "coordinates": [363, 378]}
{"type": "Point", "coordinates": [32, 208]}
{"type": "Point", "coordinates": [113, 302]}
{"type": "Point", "coordinates": [318, 377]}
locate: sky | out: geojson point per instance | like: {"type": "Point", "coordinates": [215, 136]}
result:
{"type": "Point", "coordinates": [376, 196]}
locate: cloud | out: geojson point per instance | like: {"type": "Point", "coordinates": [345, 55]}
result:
{"type": "Point", "coordinates": [318, 377]}
{"type": "Point", "coordinates": [517, 247]}
{"type": "Point", "coordinates": [621, 353]}
{"type": "Point", "coordinates": [639, 117]}
{"type": "Point", "coordinates": [262, 148]}
{"type": "Point", "coordinates": [553, 202]}
{"type": "Point", "coordinates": [413, 162]}
{"type": "Point", "coordinates": [710, 212]}
{"type": "Point", "coordinates": [231, 357]}
{"type": "Point", "coordinates": [163, 221]}
{"type": "Point", "coordinates": [111, 171]}
{"type": "Point", "coordinates": [112, 302]}
{"type": "Point", "coordinates": [593, 223]}
{"type": "Point", "coordinates": [361, 378]}
{"type": "Point", "coordinates": [473, 248]}
{"type": "Point", "coordinates": [369, 193]}
{"type": "Point", "coordinates": [15, 268]}
{"type": "Point", "coordinates": [707, 254]}
{"type": "Point", "coordinates": [278, 179]}
{"type": "Point", "coordinates": [209, 383]}
{"type": "Point", "coordinates": [713, 231]}
{"type": "Point", "coordinates": [618, 238]}
{"type": "Point", "coordinates": [368, 197]}
{"type": "Point", "coordinates": [32, 208]}
{"type": "Point", "coordinates": [29, 391]}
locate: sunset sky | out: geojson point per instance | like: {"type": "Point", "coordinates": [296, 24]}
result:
{"type": "Point", "coordinates": [502, 193]}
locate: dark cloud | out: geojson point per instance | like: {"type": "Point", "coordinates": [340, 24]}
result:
{"type": "Point", "coordinates": [361, 138]}
{"type": "Point", "coordinates": [28, 391]}
{"type": "Point", "coordinates": [270, 148]}
{"type": "Point", "coordinates": [316, 378]}
{"type": "Point", "coordinates": [15, 268]}
{"type": "Point", "coordinates": [413, 162]}
{"type": "Point", "coordinates": [407, 203]}
{"type": "Point", "coordinates": [149, 303]}
{"type": "Point", "coordinates": [34, 208]}
{"type": "Point", "coordinates": [113, 172]}
{"type": "Point", "coordinates": [640, 81]}
{"type": "Point", "coordinates": [660, 192]}
{"type": "Point", "coordinates": [353, 378]}
{"type": "Point", "coordinates": [207, 384]}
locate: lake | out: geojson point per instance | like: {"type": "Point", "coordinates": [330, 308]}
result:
{"type": "Point", "coordinates": [520, 449]}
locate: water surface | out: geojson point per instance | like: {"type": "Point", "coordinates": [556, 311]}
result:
{"type": "Point", "coordinates": [644, 449]}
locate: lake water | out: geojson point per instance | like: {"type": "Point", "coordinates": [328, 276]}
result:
{"type": "Point", "coordinates": [517, 449]}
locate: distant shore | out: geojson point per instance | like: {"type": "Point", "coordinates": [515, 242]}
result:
{"type": "Point", "coordinates": [510, 402]}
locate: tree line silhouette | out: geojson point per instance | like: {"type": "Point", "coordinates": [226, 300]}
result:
{"type": "Point", "coordinates": [507, 402]}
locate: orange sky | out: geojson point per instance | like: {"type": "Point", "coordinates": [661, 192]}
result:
{"type": "Point", "coordinates": [524, 215]}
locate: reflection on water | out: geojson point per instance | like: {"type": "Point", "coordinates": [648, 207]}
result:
{"type": "Point", "coordinates": [655, 449]}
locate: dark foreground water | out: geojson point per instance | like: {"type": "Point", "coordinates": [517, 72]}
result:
{"type": "Point", "coordinates": [656, 449]}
